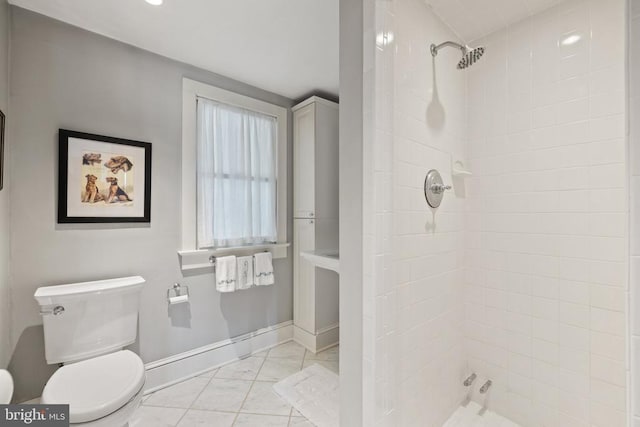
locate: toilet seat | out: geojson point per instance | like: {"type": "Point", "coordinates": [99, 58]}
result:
{"type": "Point", "coordinates": [96, 387]}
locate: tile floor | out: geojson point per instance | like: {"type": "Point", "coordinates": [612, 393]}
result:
{"type": "Point", "coordinates": [238, 394]}
{"type": "Point", "coordinates": [472, 415]}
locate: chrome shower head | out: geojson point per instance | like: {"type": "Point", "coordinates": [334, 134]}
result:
{"type": "Point", "coordinates": [469, 56]}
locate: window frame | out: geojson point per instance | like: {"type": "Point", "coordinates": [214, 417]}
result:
{"type": "Point", "coordinates": [191, 90]}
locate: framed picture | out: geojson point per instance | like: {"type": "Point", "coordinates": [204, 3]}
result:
{"type": "Point", "coordinates": [2, 119]}
{"type": "Point", "coordinates": [102, 179]}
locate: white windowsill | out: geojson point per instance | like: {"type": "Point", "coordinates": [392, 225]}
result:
{"type": "Point", "coordinates": [199, 259]}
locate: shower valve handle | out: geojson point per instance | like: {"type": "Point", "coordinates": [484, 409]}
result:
{"type": "Point", "coordinates": [440, 188]}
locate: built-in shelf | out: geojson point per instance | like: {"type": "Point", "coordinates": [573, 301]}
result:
{"type": "Point", "coordinates": [458, 169]}
{"type": "Point", "coordinates": [322, 258]}
{"type": "Point", "coordinates": [461, 172]}
{"type": "Point", "coordinates": [199, 259]}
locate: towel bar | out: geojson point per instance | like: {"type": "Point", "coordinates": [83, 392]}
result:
{"type": "Point", "coordinates": [212, 259]}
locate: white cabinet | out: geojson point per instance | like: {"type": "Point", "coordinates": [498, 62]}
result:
{"type": "Point", "coordinates": [315, 211]}
{"type": "Point", "coordinates": [304, 162]}
{"type": "Point", "coordinates": [304, 239]}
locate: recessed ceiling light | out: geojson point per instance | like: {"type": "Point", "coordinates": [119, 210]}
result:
{"type": "Point", "coordinates": [154, 2]}
{"type": "Point", "coordinates": [573, 39]}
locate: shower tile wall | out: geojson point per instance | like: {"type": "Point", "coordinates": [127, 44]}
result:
{"type": "Point", "coordinates": [415, 259]}
{"type": "Point", "coordinates": [546, 283]}
{"type": "Point", "coordinates": [634, 153]}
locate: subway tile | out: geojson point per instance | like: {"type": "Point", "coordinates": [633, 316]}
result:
{"type": "Point", "coordinates": [634, 294]}
{"type": "Point", "coordinates": [543, 253]}
{"type": "Point", "coordinates": [606, 416]}
{"type": "Point", "coordinates": [608, 297]}
{"type": "Point", "coordinates": [609, 346]}
{"type": "Point", "coordinates": [574, 406]}
{"type": "Point", "coordinates": [608, 394]}
{"type": "Point", "coordinates": [608, 370]}
{"type": "Point", "coordinates": [607, 321]}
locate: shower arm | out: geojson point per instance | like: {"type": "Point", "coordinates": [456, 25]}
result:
{"type": "Point", "coordinates": [435, 49]}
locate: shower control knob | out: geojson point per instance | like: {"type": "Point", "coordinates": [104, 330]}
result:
{"type": "Point", "coordinates": [440, 188]}
{"type": "Point", "coordinates": [434, 188]}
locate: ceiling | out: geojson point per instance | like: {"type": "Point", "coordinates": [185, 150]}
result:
{"type": "Point", "coordinates": [289, 47]}
{"type": "Point", "coordinates": [472, 19]}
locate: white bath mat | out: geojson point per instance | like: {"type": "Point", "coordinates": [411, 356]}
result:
{"type": "Point", "coordinates": [314, 393]}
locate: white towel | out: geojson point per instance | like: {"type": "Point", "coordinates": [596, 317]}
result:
{"type": "Point", "coordinates": [263, 269]}
{"type": "Point", "coordinates": [245, 272]}
{"type": "Point", "coordinates": [226, 274]}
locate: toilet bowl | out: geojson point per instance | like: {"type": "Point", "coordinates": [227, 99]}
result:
{"type": "Point", "coordinates": [104, 390]}
{"type": "Point", "coordinates": [6, 387]}
{"type": "Point", "coordinates": [86, 327]}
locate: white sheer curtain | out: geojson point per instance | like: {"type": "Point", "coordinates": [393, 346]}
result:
{"type": "Point", "coordinates": [236, 176]}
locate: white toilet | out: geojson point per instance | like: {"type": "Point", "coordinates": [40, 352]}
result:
{"type": "Point", "coordinates": [86, 327]}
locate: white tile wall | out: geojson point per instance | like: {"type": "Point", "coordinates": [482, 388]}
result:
{"type": "Point", "coordinates": [521, 275]}
{"type": "Point", "coordinates": [546, 217]}
{"type": "Point", "coordinates": [416, 257]}
{"type": "Point", "coordinates": [473, 19]}
{"type": "Point", "coordinates": [634, 155]}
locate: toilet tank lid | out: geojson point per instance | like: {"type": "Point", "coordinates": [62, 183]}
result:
{"type": "Point", "coordinates": [45, 294]}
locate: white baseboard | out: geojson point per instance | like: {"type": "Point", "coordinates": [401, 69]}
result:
{"type": "Point", "coordinates": [324, 338]}
{"type": "Point", "coordinates": [171, 370]}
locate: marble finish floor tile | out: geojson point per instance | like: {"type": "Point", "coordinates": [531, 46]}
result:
{"type": "Point", "coordinates": [331, 365]}
{"type": "Point", "coordinates": [237, 394]}
{"type": "Point", "coordinates": [300, 422]}
{"type": "Point", "coordinates": [251, 420]}
{"type": "Point", "coordinates": [276, 369]}
{"type": "Point", "coordinates": [246, 369]}
{"type": "Point", "coordinates": [262, 354]}
{"type": "Point", "coordinates": [179, 395]}
{"type": "Point", "coordinates": [155, 416]}
{"type": "Point", "coordinates": [262, 399]}
{"type": "Point", "coordinates": [472, 415]}
{"type": "Point", "coordinates": [290, 350]}
{"type": "Point", "coordinates": [223, 395]}
{"type": "Point", "coordinates": [208, 374]}
{"type": "Point", "coordinates": [197, 418]}
{"type": "Point", "coordinates": [329, 354]}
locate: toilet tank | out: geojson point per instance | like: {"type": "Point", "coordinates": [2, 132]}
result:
{"type": "Point", "coordinates": [84, 320]}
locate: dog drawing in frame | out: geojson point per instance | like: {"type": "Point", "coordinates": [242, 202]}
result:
{"type": "Point", "coordinates": [118, 163]}
{"type": "Point", "coordinates": [91, 159]}
{"type": "Point", "coordinates": [116, 194]}
{"type": "Point", "coordinates": [92, 192]}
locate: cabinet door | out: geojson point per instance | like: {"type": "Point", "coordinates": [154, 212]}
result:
{"type": "Point", "coordinates": [304, 277]}
{"type": "Point", "coordinates": [304, 162]}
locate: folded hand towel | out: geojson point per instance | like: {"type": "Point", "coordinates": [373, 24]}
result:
{"type": "Point", "coordinates": [226, 274]}
{"type": "Point", "coordinates": [263, 269]}
{"type": "Point", "coordinates": [245, 272]}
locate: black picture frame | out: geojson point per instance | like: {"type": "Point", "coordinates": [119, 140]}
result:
{"type": "Point", "coordinates": [2, 128]}
{"type": "Point", "coordinates": [64, 217]}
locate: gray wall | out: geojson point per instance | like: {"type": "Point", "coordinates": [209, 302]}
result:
{"type": "Point", "coordinates": [64, 77]}
{"type": "Point", "coordinates": [352, 122]}
{"type": "Point", "coordinates": [4, 194]}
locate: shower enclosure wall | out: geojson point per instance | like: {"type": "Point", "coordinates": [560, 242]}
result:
{"type": "Point", "coordinates": [634, 167]}
{"type": "Point", "coordinates": [521, 274]}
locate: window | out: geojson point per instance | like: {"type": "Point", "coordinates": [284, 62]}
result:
{"type": "Point", "coordinates": [236, 176]}
{"type": "Point", "coordinates": [233, 169]}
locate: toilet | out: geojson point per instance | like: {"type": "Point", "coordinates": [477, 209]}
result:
{"type": "Point", "coordinates": [86, 327]}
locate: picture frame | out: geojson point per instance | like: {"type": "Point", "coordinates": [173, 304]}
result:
{"type": "Point", "coordinates": [103, 179]}
{"type": "Point", "coordinates": [2, 131]}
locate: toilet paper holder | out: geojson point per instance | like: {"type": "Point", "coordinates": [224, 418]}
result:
{"type": "Point", "coordinates": [177, 293]}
